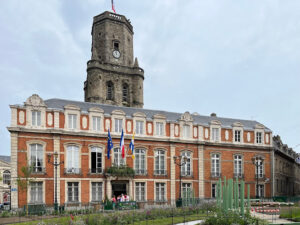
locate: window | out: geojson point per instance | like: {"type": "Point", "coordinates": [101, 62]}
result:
{"type": "Point", "coordinates": [72, 119]}
{"type": "Point", "coordinates": [215, 165]}
{"type": "Point", "coordinates": [140, 191]}
{"type": "Point", "coordinates": [116, 45]}
{"type": "Point", "coordinates": [36, 192]}
{"type": "Point", "coordinates": [139, 127]}
{"type": "Point", "coordinates": [6, 177]}
{"type": "Point", "coordinates": [36, 118]}
{"type": "Point", "coordinates": [36, 158]}
{"type": "Point", "coordinates": [160, 162]}
{"type": "Point", "coordinates": [186, 131]}
{"type": "Point", "coordinates": [237, 136]}
{"type": "Point", "coordinates": [160, 191]}
{"type": "Point", "coordinates": [260, 190]}
{"type": "Point", "coordinates": [215, 134]}
{"type": "Point", "coordinates": [237, 166]}
{"type": "Point", "coordinates": [73, 192]}
{"type": "Point", "coordinates": [259, 170]}
{"type": "Point", "coordinates": [109, 90]}
{"type": "Point", "coordinates": [118, 125]}
{"type": "Point", "coordinates": [125, 93]}
{"type": "Point", "coordinates": [258, 137]}
{"type": "Point", "coordinates": [96, 123]}
{"type": "Point", "coordinates": [186, 190]}
{"type": "Point", "coordinates": [159, 129]}
{"type": "Point", "coordinates": [118, 160]}
{"type": "Point", "coordinates": [186, 168]}
{"type": "Point", "coordinates": [73, 159]}
{"type": "Point", "coordinates": [96, 191]}
{"type": "Point", "coordinates": [213, 190]}
{"type": "Point", "coordinates": [140, 156]}
{"type": "Point", "coordinates": [96, 160]}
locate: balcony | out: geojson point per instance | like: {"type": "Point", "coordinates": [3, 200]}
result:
{"type": "Point", "coordinates": [160, 172]}
{"type": "Point", "coordinates": [38, 170]}
{"type": "Point", "coordinates": [95, 171]}
{"type": "Point", "coordinates": [215, 175]}
{"type": "Point", "coordinates": [141, 172]}
{"type": "Point", "coordinates": [72, 171]}
{"type": "Point", "coordinates": [238, 175]}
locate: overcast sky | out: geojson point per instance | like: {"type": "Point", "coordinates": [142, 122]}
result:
{"type": "Point", "coordinates": [239, 59]}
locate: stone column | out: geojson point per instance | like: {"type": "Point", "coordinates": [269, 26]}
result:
{"type": "Point", "coordinates": [131, 188]}
{"type": "Point", "coordinates": [108, 188]}
{"type": "Point", "coordinates": [201, 170]}
{"type": "Point", "coordinates": [14, 169]}
{"type": "Point", "coordinates": [173, 175]}
{"type": "Point", "coordinates": [56, 148]}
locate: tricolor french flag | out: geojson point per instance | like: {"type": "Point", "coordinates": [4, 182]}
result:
{"type": "Point", "coordinates": [122, 145]}
{"type": "Point", "coordinates": [113, 6]}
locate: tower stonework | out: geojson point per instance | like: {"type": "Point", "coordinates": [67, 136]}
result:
{"type": "Point", "coordinates": [113, 76]}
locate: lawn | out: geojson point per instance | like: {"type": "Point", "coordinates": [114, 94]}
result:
{"type": "Point", "coordinates": [292, 213]}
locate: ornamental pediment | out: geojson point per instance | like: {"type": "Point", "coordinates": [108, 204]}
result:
{"type": "Point", "coordinates": [35, 101]}
{"type": "Point", "coordinates": [215, 122]}
{"type": "Point", "coordinates": [71, 107]}
{"type": "Point", "coordinates": [159, 116]}
{"type": "Point", "coordinates": [259, 126]}
{"type": "Point", "coordinates": [96, 109]}
{"type": "Point", "coordinates": [139, 114]}
{"type": "Point", "coordinates": [186, 117]}
{"type": "Point", "coordinates": [118, 112]}
{"type": "Point", "coordinates": [237, 124]}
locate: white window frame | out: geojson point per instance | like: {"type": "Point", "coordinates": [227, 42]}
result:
{"type": "Point", "coordinates": [6, 177]}
{"type": "Point", "coordinates": [238, 165]}
{"type": "Point", "coordinates": [185, 187]}
{"type": "Point", "coordinates": [216, 164]}
{"type": "Point", "coordinates": [96, 191]}
{"type": "Point", "coordinates": [118, 160]}
{"type": "Point", "coordinates": [215, 134]}
{"type": "Point", "coordinates": [71, 166]}
{"type": "Point", "coordinates": [118, 125]}
{"type": "Point", "coordinates": [36, 119]}
{"type": "Point", "coordinates": [139, 127]}
{"type": "Point", "coordinates": [97, 150]}
{"type": "Point", "coordinates": [36, 192]}
{"type": "Point", "coordinates": [186, 131]}
{"type": "Point", "coordinates": [35, 150]}
{"type": "Point", "coordinates": [259, 171]}
{"type": "Point", "coordinates": [259, 140]}
{"type": "Point", "coordinates": [96, 123]}
{"type": "Point", "coordinates": [73, 186]}
{"type": "Point", "coordinates": [261, 190]}
{"type": "Point", "coordinates": [159, 196]}
{"type": "Point", "coordinates": [72, 121]}
{"type": "Point", "coordinates": [140, 156]}
{"type": "Point", "coordinates": [159, 163]}
{"type": "Point", "coordinates": [214, 187]}
{"type": "Point", "coordinates": [189, 163]}
{"type": "Point", "coordinates": [159, 128]}
{"type": "Point", "coordinates": [140, 195]}
{"type": "Point", "coordinates": [237, 136]}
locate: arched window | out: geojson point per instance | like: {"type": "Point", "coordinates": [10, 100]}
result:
{"type": "Point", "coordinates": [72, 159]}
{"type": "Point", "coordinates": [6, 177]}
{"type": "Point", "coordinates": [109, 90]}
{"type": "Point", "coordinates": [125, 92]}
{"type": "Point", "coordinates": [118, 160]}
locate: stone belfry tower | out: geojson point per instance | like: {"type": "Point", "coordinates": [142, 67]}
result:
{"type": "Point", "coordinates": [113, 76]}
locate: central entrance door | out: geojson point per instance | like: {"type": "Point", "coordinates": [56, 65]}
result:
{"type": "Point", "coordinates": [119, 187]}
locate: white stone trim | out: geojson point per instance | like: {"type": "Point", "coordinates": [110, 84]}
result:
{"type": "Point", "coordinates": [44, 190]}
{"type": "Point", "coordinates": [75, 110]}
{"type": "Point", "coordinates": [31, 142]}
{"type": "Point", "coordinates": [66, 190]}
{"type": "Point", "coordinates": [102, 157]}
{"type": "Point", "coordinates": [97, 112]}
{"type": "Point", "coordinates": [166, 188]}
{"type": "Point", "coordinates": [134, 186]}
{"type": "Point", "coordinates": [14, 169]}
{"type": "Point", "coordinates": [118, 114]}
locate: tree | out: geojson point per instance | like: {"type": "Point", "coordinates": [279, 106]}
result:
{"type": "Point", "coordinates": [24, 180]}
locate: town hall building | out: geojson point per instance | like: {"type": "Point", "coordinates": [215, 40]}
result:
{"type": "Point", "coordinates": [77, 132]}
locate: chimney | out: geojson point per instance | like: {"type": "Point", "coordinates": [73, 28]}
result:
{"type": "Point", "coordinates": [213, 115]}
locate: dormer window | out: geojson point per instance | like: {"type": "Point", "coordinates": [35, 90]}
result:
{"type": "Point", "coordinates": [186, 131]}
{"type": "Point", "coordinates": [72, 120]}
{"type": "Point", "coordinates": [215, 134]}
{"type": "Point", "coordinates": [258, 137]}
{"type": "Point", "coordinates": [237, 136]}
{"type": "Point", "coordinates": [36, 118]}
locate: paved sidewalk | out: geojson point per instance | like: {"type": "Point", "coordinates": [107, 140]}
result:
{"type": "Point", "coordinates": [190, 223]}
{"type": "Point", "coordinates": [271, 218]}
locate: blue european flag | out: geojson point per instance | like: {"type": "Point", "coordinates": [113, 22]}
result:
{"type": "Point", "coordinates": [109, 145]}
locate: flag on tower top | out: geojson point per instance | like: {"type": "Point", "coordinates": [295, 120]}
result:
{"type": "Point", "coordinates": [113, 6]}
{"type": "Point", "coordinates": [122, 145]}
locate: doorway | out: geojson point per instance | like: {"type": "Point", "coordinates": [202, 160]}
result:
{"type": "Point", "coordinates": [119, 188]}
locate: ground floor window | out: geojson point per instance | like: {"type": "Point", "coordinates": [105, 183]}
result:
{"type": "Point", "coordinates": [260, 190]}
{"type": "Point", "coordinates": [186, 189]}
{"type": "Point", "coordinates": [36, 192]}
{"type": "Point", "coordinates": [96, 191]}
{"type": "Point", "coordinates": [73, 192]}
{"type": "Point", "coordinates": [213, 190]}
{"type": "Point", "coordinates": [140, 191]}
{"type": "Point", "coordinates": [160, 191]}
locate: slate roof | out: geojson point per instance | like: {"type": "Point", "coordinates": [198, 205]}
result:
{"type": "Point", "coordinates": [59, 104]}
{"type": "Point", "coordinates": [5, 158]}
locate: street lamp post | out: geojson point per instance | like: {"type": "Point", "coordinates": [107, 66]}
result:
{"type": "Point", "coordinates": [180, 161]}
{"type": "Point", "coordinates": [257, 161]}
{"type": "Point", "coordinates": [55, 164]}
